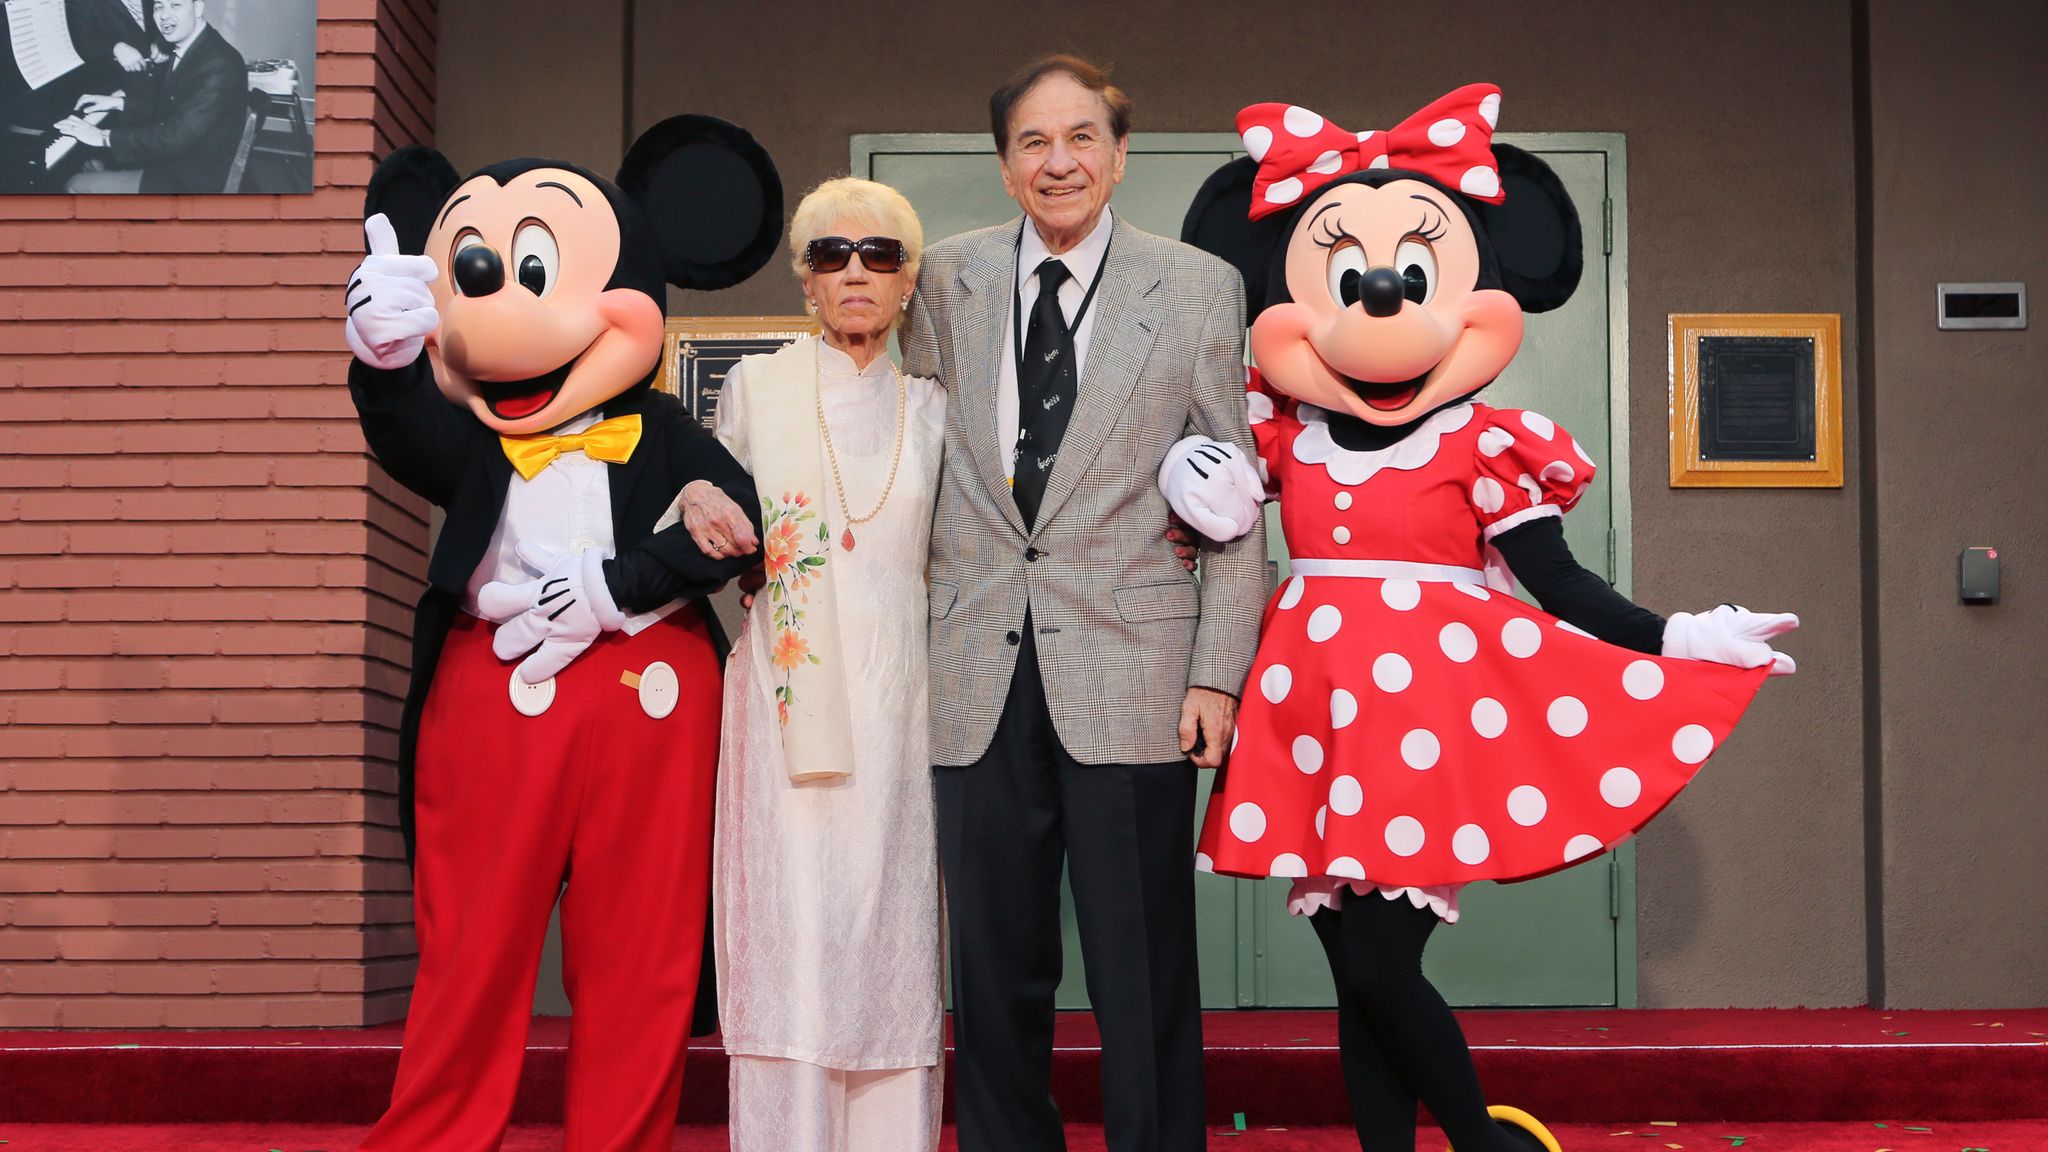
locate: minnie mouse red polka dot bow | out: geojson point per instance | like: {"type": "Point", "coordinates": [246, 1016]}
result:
{"type": "Point", "coordinates": [1451, 141]}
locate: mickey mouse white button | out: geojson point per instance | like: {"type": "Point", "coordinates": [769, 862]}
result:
{"type": "Point", "coordinates": [531, 699]}
{"type": "Point", "coordinates": [659, 690]}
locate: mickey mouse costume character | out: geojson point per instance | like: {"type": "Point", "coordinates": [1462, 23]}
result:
{"type": "Point", "coordinates": [533, 421]}
{"type": "Point", "coordinates": [1412, 726]}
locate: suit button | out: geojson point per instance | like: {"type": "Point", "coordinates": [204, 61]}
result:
{"type": "Point", "coordinates": [659, 690]}
{"type": "Point", "coordinates": [1032, 554]}
{"type": "Point", "coordinates": [531, 699]}
{"type": "Point", "coordinates": [1013, 637]}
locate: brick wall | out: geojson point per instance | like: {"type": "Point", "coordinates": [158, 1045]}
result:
{"type": "Point", "coordinates": [205, 591]}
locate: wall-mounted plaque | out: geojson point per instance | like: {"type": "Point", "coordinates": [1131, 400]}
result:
{"type": "Point", "coordinates": [1756, 401]}
{"type": "Point", "coordinates": [699, 350]}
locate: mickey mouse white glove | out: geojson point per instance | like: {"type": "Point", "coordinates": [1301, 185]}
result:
{"type": "Point", "coordinates": [390, 307]}
{"type": "Point", "coordinates": [1213, 487]}
{"type": "Point", "coordinates": [555, 617]}
{"type": "Point", "coordinates": [1731, 635]}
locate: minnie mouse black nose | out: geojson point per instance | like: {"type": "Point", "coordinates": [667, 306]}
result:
{"type": "Point", "coordinates": [1381, 292]}
{"type": "Point", "coordinates": [479, 271]}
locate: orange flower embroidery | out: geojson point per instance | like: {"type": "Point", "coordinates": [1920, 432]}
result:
{"type": "Point", "coordinates": [790, 650]}
{"type": "Point", "coordinates": [790, 569]}
{"type": "Point", "coordinates": [781, 548]}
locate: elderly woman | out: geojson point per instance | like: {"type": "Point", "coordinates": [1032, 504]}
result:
{"type": "Point", "coordinates": [827, 885]}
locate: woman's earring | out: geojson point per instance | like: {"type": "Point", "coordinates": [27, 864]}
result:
{"type": "Point", "coordinates": [810, 305]}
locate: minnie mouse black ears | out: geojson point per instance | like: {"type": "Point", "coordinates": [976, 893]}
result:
{"type": "Point", "coordinates": [409, 187]}
{"type": "Point", "coordinates": [1534, 231]}
{"type": "Point", "coordinates": [712, 196]}
{"type": "Point", "coordinates": [1218, 223]}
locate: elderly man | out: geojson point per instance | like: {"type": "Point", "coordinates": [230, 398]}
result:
{"type": "Point", "coordinates": [1076, 668]}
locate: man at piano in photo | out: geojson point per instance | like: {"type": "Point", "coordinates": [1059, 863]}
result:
{"type": "Point", "coordinates": [178, 128]}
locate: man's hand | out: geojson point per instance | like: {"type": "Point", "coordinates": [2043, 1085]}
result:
{"type": "Point", "coordinates": [1183, 540]}
{"type": "Point", "coordinates": [87, 105]}
{"type": "Point", "coordinates": [130, 58]}
{"type": "Point", "coordinates": [90, 135]}
{"type": "Point", "coordinates": [390, 308]}
{"type": "Point", "coordinates": [751, 582]}
{"type": "Point", "coordinates": [1207, 718]}
{"type": "Point", "coordinates": [719, 526]}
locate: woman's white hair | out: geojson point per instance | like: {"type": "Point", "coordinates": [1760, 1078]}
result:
{"type": "Point", "coordinates": [850, 200]}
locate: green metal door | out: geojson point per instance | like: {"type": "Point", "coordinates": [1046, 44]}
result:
{"type": "Point", "coordinates": [1567, 939]}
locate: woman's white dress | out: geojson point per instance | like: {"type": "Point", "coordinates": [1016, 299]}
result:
{"type": "Point", "coordinates": [827, 892]}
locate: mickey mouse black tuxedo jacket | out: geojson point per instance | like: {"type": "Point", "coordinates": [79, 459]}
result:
{"type": "Point", "coordinates": [444, 454]}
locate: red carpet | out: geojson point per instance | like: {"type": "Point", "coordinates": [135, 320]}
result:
{"type": "Point", "coordinates": [1278, 1068]}
{"type": "Point", "coordinates": [1857, 1136]}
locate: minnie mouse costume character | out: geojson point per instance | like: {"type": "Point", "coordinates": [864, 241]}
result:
{"type": "Point", "coordinates": [533, 421]}
{"type": "Point", "coordinates": [1411, 726]}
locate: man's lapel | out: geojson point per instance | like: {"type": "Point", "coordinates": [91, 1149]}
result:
{"type": "Point", "coordinates": [990, 283]}
{"type": "Point", "coordinates": [1117, 346]}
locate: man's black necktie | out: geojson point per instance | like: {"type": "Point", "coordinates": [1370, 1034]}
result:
{"type": "Point", "coordinates": [1046, 382]}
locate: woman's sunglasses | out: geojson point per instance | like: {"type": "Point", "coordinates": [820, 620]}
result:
{"type": "Point", "coordinates": [877, 253]}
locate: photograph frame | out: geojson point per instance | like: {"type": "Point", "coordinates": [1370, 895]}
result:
{"type": "Point", "coordinates": [239, 79]}
{"type": "Point", "coordinates": [696, 351]}
{"type": "Point", "coordinates": [1692, 465]}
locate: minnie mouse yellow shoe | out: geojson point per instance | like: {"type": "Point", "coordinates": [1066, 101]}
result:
{"type": "Point", "coordinates": [1526, 1128]}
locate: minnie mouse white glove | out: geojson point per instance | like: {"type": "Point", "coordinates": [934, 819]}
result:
{"type": "Point", "coordinates": [1213, 487]}
{"type": "Point", "coordinates": [1731, 635]}
{"type": "Point", "coordinates": [390, 307]}
{"type": "Point", "coordinates": [555, 617]}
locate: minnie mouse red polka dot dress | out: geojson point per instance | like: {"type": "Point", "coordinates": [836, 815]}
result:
{"type": "Point", "coordinates": [1407, 726]}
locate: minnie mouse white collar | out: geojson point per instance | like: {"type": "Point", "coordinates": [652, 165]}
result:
{"type": "Point", "coordinates": [1314, 444]}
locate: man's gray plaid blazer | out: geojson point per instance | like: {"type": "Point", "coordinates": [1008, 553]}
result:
{"type": "Point", "coordinates": [1122, 629]}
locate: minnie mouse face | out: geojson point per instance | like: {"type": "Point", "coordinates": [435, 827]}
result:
{"type": "Point", "coordinates": [1384, 318]}
{"type": "Point", "coordinates": [551, 291]}
{"type": "Point", "coordinates": [1388, 272]}
{"type": "Point", "coordinates": [530, 333]}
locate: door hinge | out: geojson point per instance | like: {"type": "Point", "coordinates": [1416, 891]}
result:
{"type": "Point", "coordinates": [1614, 886]}
{"type": "Point", "coordinates": [1613, 576]}
{"type": "Point", "coordinates": [1607, 226]}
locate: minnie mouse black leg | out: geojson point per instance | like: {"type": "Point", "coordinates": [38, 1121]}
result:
{"type": "Point", "coordinates": [1382, 1107]}
{"type": "Point", "coordinates": [1380, 971]}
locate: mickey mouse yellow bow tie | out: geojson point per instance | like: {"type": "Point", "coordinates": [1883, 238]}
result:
{"type": "Point", "coordinates": [610, 440]}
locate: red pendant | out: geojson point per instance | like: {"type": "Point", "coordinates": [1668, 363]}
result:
{"type": "Point", "coordinates": [846, 539]}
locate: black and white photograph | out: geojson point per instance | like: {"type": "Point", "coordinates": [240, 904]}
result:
{"type": "Point", "coordinates": [187, 97]}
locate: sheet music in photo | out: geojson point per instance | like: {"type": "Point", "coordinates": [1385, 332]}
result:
{"type": "Point", "coordinates": [42, 40]}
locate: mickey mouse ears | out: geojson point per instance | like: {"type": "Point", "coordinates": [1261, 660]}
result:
{"type": "Point", "coordinates": [409, 187]}
{"type": "Point", "coordinates": [712, 196]}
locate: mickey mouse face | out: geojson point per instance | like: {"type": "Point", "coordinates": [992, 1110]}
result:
{"type": "Point", "coordinates": [551, 289]}
{"type": "Point", "coordinates": [530, 336]}
{"type": "Point", "coordinates": [1386, 320]}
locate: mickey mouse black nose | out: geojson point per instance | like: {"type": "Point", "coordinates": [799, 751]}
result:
{"type": "Point", "coordinates": [1380, 291]}
{"type": "Point", "coordinates": [479, 272]}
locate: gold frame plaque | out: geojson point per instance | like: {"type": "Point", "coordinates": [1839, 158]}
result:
{"type": "Point", "coordinates": [696, 351]}
{"type": "Point", "coordinates": [1693, 466]}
